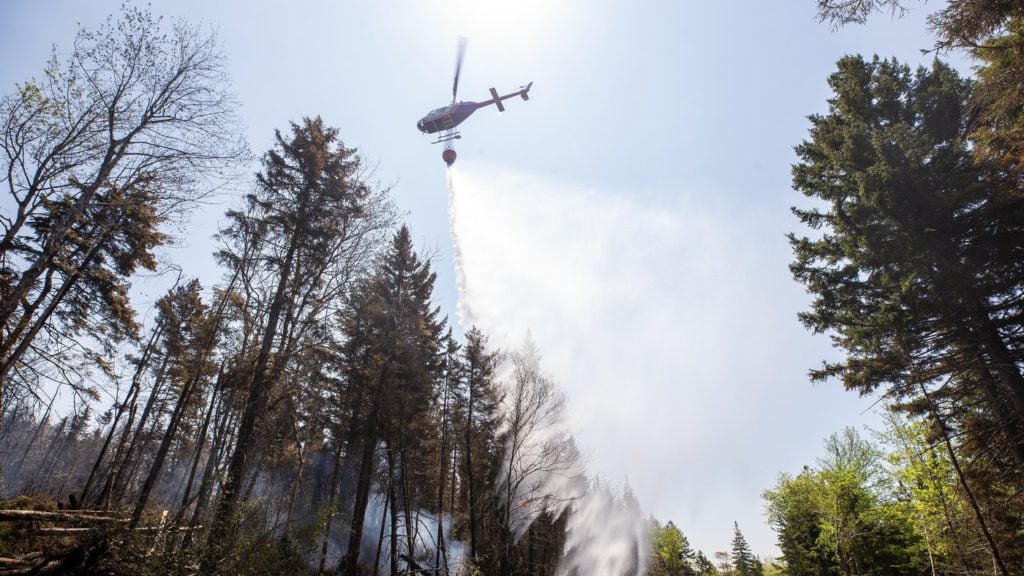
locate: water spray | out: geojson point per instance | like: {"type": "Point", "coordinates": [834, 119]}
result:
{"type": "Point", "coordinates": [606, 530]}
{"type": "Point", "coordinates": [466, 317]}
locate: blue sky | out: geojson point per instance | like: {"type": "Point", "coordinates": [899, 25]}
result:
{"type": "Point", "coordinates": [630, 216]}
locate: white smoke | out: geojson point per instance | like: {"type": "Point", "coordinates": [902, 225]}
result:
{"type": "Point", "coordinates": [377, 548]}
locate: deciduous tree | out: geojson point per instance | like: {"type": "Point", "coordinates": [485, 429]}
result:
{"type": "Point", "coordinates": [97, 154]}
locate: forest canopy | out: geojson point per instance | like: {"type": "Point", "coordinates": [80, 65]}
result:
{"type": "Point", "coordinates": [313, 411]}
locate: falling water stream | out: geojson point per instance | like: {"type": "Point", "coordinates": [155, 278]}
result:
{"type": "Point", "coordinates": [606, 531]}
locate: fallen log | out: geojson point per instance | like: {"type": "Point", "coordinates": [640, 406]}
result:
{"type": "Point", "coordinates": [58, 531]}
{"type": "Point", "coordinates": [65, 516]}
{"type": "Point", "coordinates": [21, 564]}
{"type": "Point", "coordinates": [79, 559]}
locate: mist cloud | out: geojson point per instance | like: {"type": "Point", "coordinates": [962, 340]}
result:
{"type": "Point", "coordinates": [671, 328]}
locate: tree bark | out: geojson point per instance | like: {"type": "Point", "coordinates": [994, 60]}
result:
{"type": "Point", "coordinates": [186, 493]}
{"type": "Point", "coordinates": [470, 484]}
{"type": "Point", "coordinates": [220, 440]}
{"type": "Point", "coordinates": [129, 400]}
{"type": "Point", "coordinates": [362, 492]}
{"type": "Point", "coordinates": [165, 445]}
{"type": "Point", "coordinates": [997, 558]}
{"type": "Point", "coordinates": [380, 536]}
{"type": "Point", "coordinates": [259, 392]}
{"type": "Point", "coordinates": [393, 498]}
{"type": "Point", "coordinates": [116, 486]}
{"type": "Point", "coordinates": [332, 505]}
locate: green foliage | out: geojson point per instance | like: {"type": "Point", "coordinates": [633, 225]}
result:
{"type": "Point", "coordinates": [999, 128]}
{"type": "Point", "coordinates": [890, 163]}
{"type": "Point", "coordinates": [842, 517]}
{"type": "Point", "coordinates": [702, 566]}
{"type": "Point", "coordinates": [672, 553]}
{"type": "Point", "coordinates": [743, 560]}
{"type": "Point", "coordinates": [914, 265]}
{"type": "Point", "coordinates": [992, 33]}
{"type": "Point", "coordinates": [110, 145]}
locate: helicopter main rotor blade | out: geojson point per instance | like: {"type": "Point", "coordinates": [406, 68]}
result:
{"type": "Point", "coordinates": [458, 67]}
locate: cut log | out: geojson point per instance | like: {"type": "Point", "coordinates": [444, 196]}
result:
{"type": "Point", "coordinates": [66, 516]}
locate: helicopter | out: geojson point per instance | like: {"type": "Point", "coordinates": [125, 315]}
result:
{"type": "Point", "coordinates": [446, 118]}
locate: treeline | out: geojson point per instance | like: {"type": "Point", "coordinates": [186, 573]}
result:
{"type": "Point", "coordinates": [312, 413]}
{"type": "Point", "coordinates": [891, 504]}
{"type": "Point", "coordinates": [914, 263]}
{"type": "Point", "coordinates": [672, 555]}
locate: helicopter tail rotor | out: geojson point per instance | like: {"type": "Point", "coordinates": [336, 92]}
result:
{"type": "Point", "coordinates": [458, 66]}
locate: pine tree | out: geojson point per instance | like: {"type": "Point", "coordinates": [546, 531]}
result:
{"type": "Point", "coordinates": [446, 467]}
{"type": "Point", "coordinates": [294, 246]}
{"type": "Point", "coordinates": [394, 353]}
{"type": "Point", "coordinates": [916, 270]}
{"type": "Point", "coordinates": [993, 34]}
{"type": "Point", "coordinates": [480, 450]}
{"type": "Point", "coordinates": [191, 336]}
{"type": "Point", "coordinates": [915, 265]}
{"type": "Point", "coordinates": [743, 560]}
{"type": "Point", "coordinates": [703, 566]}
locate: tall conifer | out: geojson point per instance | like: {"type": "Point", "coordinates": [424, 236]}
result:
{"type": "Point", "coordinates": [915, 259]}
{"type": "Point", "coordinates": [309, 216]}
{"type": "Point", "coordinates": [393, 357]}
{"type": "Point", "coordinates": [743, 560]}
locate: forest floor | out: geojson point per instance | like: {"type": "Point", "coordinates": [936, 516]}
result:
{"type": "Point", "coordinates": [39, 536]}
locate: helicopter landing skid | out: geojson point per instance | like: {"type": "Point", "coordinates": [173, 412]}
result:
{"type": "Point", "coordinates": [447, 138]}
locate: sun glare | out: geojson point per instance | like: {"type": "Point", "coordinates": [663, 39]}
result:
{"type": "Point", "coordinates": [506, 23]}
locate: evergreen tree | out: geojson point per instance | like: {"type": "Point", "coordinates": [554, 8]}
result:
{"type": "Point", "coordinates": [481, 449]}
{"type": "Point", "coordinates": [293, 246]}
{"type": "Point", "coordinates": [702, 566]}
{"type": "Point", "coordinates": [916, 270]}
{"type": "Point", "coordinates": [446, 472]}
{"type": "Point", "coordinates": [393, 353]}
{"type": "Point", "coordinates": [993, 34]}
{"type": "Point", "coordinates": [915, 267]}
{"type": "Point", "coordinates": [189, 342]}
{"type": "Point", "coordinates": [743, 560]}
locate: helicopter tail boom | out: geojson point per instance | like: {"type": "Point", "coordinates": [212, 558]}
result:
{"type": "Point", "coordinates": [523, 92]}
